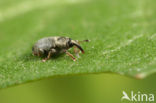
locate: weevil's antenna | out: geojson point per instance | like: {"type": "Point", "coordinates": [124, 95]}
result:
{"type": "Point", "coordinates": [84, 41]}
{"type": "Point", "coordinates": [77, 45]}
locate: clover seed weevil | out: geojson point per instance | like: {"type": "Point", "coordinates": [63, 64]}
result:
{"type": "Point", "coordinates": [55, 45]}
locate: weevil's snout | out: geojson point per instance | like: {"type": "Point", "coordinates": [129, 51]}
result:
{"type": "Point", "coordinates": [77, 45]}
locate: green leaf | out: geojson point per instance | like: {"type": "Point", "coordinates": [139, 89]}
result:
{"type": "Point", "coordinates": [122, 34]}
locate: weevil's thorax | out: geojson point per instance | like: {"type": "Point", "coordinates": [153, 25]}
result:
{"type": "Point", "coordinates": [63, 42]}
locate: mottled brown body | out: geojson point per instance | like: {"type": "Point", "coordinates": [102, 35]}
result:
{"type": "Point", "coordinates": [55, 45]}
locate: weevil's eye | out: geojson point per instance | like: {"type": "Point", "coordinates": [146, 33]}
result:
{"type": "Point", "coordinates": [70, 44]}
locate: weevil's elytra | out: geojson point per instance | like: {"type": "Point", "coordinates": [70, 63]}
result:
{"type": "Point", "coordinates": [55, 45]}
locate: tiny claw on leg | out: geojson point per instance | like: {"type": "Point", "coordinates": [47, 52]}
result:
{"type": "Point", "coordinates": [74, 59]}
{"type": "Point", "coordinates": [48, 57]}
{"type": "Point", "coordinates": [44, 60]}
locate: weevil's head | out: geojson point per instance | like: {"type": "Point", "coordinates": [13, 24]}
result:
{"type": "Point", "coordinates": [72, 43]}
{"type": "Point", "coordinates": [36, 51]}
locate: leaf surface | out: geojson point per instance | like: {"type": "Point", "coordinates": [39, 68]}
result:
{"type": "Point", "coordinates": [122, 34]}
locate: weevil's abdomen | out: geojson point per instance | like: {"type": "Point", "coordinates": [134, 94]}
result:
{"type": "Point", "coordinates": [45, 43]}
{"type": "Point", "coordinates": [42, 46]}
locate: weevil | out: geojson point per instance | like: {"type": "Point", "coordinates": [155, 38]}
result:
{"type": "Point", "coordinates": [49, 46]}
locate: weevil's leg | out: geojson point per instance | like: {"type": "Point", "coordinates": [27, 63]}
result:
{"type": "Point", "coordinates": [76, 51]}
{"type": "Point", "coordinates": [83, 41]}
{"type": "Point", "coordinates": [49, 55]}
{"type": "Point", "coordinates": [69, 54]}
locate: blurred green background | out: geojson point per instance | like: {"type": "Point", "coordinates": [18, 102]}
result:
{"type": "Point", "coordinates": [94, 88]}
